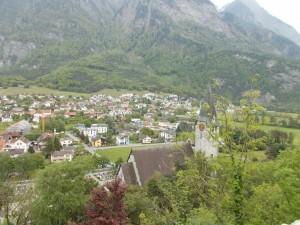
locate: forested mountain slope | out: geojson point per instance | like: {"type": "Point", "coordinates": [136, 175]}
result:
{"type": "Point", "coordinates": [159, 45]}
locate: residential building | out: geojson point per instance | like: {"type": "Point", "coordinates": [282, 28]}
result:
{"type": "Point", "coordinates": [168, 135]}
{"type": "Point", "coordinates": [122, 140]}
{"type": "Point", "coordinates": [65, 141]}
{"type": "Point", "coordinates": [17, 143]}
{"type": "Point", "coordinates": [6, 118]}
{"type": "Point", "coordinates": [98, 141]}
{"type": "Point", "coordinates": [60, 156]}
{"type": "Point", "coordinates": [23, 127]}
{"type": "Point", "coordinates": [93, 131]}
{"type": "Point", "coordinates": [145, 139]}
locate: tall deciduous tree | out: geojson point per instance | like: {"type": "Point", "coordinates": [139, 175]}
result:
{"type": "Point", "coordinates": [62, 192]}
{"type": "Point", "coordinates": [239, 150]}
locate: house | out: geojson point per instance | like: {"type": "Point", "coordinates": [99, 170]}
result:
{"type": "Point", "coordinates": [168, 135]}
{"type": "Point", "coordinates": [94, 130]}
{"type": "Point", "coordinates": [6, 118]}
{"type": "Point", "coordinates": [17, 143]}
{"type": "Point", "coordinates": [143, 163]}
{"type": "Point", "coordinates": [23, 127]}
{"type": "Point", "coordinates": [122, 140]}
{"type": "Point", "coordinates": [98, 141]}
{"type": "Point", "coordinates": [145, 139]}
{"type": "Point", "coordinates": [101, 128]}
{"type": "Point", "coordinates": [42, 141]}
{"type": "Point", "coordinates": [65, 141]}
{"type": "Point", "coordinates": [60, 156]}
{"type": "Point", "coordinates": [147, 123]}
{"type": "Point", "coordinates": [18, 111]}
{"type": "Point", "coordinates": [14, 153]}
{"type": "Point", "coordinates": [70, 114]}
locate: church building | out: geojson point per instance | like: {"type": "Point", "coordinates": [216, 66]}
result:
{"type": "Point", "coordinates": [207, 126]}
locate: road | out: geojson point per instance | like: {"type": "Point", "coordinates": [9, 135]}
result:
{"type": "Point", "coordinates": [92, 150]}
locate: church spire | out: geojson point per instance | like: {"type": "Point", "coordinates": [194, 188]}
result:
{"type": "Point", "coordinates": [208, 114]}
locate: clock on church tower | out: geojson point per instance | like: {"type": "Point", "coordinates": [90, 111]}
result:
{"type": "Point", "coordinates": [201, 126]}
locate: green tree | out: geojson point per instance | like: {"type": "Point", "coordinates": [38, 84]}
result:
{"type": "Point", "coordinates": [31, 150]}
{"type": "Point", "coordinates": [239, 152]}
{"type": "Point", "coordinates": [27, 164]}
{"type": "Point", "coordinates": [52, 145]}
{"type": "Point", "coordinates": [6, 165]}
{"type": "Point", "coordinates": [147, 131]}
{"type": "Point", "coordinates": [62, 191]}
{"type": "Point", "coordinates": [86, 139]}
{"type": "Point", "coordinates": [183, 127]}
{"type": "Point", "coordinates": [288, 176]}
{"type": "Point", "coordinates": [267, 205]}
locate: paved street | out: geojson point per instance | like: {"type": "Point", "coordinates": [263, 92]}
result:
{"type": "Point", "coordinates": [92, 149]}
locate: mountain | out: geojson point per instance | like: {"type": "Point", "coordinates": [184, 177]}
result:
{"type": "Point", "coordinates": [250, 11]}
{"type": "Point", "coordinates": [159, 45]}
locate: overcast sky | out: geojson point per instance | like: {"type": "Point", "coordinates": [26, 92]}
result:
{"type": "Point", "coordinates": [285, 10]}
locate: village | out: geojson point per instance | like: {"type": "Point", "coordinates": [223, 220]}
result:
{"type": "Point", "coordinates": [162, 133]}
{"type": "Point", "coordinates": [98, 121]}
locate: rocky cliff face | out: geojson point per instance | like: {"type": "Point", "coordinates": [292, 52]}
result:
{"type": "Point", "coordinates": [31, 26]}
{"type": "Point", "coordinates": [249, 11]}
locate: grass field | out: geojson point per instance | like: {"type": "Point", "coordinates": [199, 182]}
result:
{"type": "Point", "coordinates": [47, 91]}
{"type": "Point", "coordinates": [288, 130]}
{"type": "Point", "coordinates": [118, 92]}
{"type": "Point", "coordinates": [3, 126]}
{"type": "Point", "coordinates": [38, 90]}
{"type": "Point", "coordinates": [113, 154]}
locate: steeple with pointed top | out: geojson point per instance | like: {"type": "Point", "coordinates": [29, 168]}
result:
{"type": "Point", "coordinates": [207, 126]}
{"type": "Point", "coordinates": [208, 114]}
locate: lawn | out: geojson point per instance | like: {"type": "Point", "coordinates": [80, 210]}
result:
{"type": "Point", "coordinates": [3, 126]}
{"type": "Point", "coordinates": [113, 154]}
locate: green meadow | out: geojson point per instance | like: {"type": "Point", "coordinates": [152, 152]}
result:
{"type": "Point", "coordinates": [38, 90]}
{"type": "Point", "coordinates": [113, 154]}
{"type": "Point", "coordinates": [288, 130]}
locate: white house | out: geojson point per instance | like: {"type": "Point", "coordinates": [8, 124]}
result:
{"type": "Point", "coordinates": [101, 128]}
{"type": "Point", "coordinates": [122, 140]}
{"type": "Point", "coordinates": [168, 135]}
{"type": "Point", "coordinates": [65, 141]}
{"type": "Point", "coordinates": [7, 118]}
{"type": "Point", "coordinates": [94, 130]}
{"type": "Point", "coordinates": [17, 143]}
{"type": "Point", "coordinates": [147, 140]}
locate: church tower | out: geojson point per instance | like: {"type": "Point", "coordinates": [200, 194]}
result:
{"type": "Point", "coordinates": [206, 126]}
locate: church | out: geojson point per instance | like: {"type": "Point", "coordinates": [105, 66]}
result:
{"type": "Point", "coordinates": [207, 126]}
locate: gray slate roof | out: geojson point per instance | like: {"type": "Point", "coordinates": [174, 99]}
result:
{"type": "Point", "coordinates": [155, 159]}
